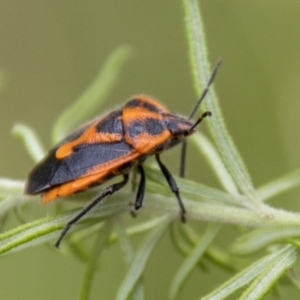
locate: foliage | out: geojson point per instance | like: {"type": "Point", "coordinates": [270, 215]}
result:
{"type": "Point", "coordinates": [273, 232]}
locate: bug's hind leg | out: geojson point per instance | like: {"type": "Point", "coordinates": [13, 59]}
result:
{"type": "Point", "coordinates": [108, 191]}
{"type": "Point", "coordinates": [134, 179]}
{"type": "Point", "coordinates": [173, 185]}
{"type": "Point", "coordinates": [140, 193]}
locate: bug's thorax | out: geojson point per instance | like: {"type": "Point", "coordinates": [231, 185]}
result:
{"type": "Point", "coordinates": [179, 128]}
{"type": "Point", "coordinates": [150, 128]}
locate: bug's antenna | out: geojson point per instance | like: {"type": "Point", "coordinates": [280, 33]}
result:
{"type": "Point", "coordinates": [202, 96]}
{"type": "Point", "coordinates": [205, 91]}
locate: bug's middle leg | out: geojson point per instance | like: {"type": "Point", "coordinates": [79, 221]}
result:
{"type": "Point", "coordinates": [141, 190]}
{"type": "Point", "coordinates": [140, 193]}
{"type": "Point", "coordinates": [173, 185]}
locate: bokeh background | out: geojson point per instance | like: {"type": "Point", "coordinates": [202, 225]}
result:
{"type": "Point", "coordinates": [51, 50]}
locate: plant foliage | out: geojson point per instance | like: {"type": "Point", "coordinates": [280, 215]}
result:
{"type": "Point", "coordinates": [271, 231]}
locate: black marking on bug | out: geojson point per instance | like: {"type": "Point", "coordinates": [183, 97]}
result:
{"type": "Point", "coordinates": [150, 126]}
{"type": "Point", "coordinates": [154, 126]}
{"type": "Point", "coordinates": [112, 123]}
{"type": "Point", "coordinates": [143, 104]}
{"type": "Point", "coordinates": [135, 128]}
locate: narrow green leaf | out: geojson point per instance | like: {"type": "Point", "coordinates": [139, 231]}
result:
{"type": "Point", "coordinates": [30, 234]}
{"type": "Point", "coordinates": [78, 250]}
{"type": "Point", "coordinates": [280, 185]}
{"type": "Point", "coordinates": [138, 228]}
{"type": "Point", "coordinates": [11, 187]}
{"type": "Point", "coordinates": [263, 283]}
{"type": "Point", "coordinates": [260, 238]}
{"type": "Point", "coordinates": [140, 260]}
{"type": "Point", "coordinates": [8, 203]}
{"type": "Point", "coordinates": [221, 258]}
{"type": "Point", "coordinates": [292, 276]}
{"type": "Point", "coordinates": [191, 261]}
{"type": "Point", "coordinates": [91, 264]}
{"type": "Point", "coordinates": [30, 140]}
{"type": "Point", "coordinates": [93, 96]}
{"type": "Point", "coordinates": [124, 241]}
{"type": "Point", "coordinates": [201, 72]}
{"type": "Point", "coordinates": [243, 278]}
{"type": "Point", "coordinates": [190, 234]}
{"type": "Point", "coordinates": [178, 240]}
{"type": "Point", "coordinates": [85, 233]}
{"type": "Point", "coordinates": [11, 194]}
{"type": "Point", "coordinates": [191, 189]}
{"type": "Point", "coordinates": [45, 229]}
{"type": "Point", "coordinates": [138, 290]}
{"type": "Point", "coordinates": [214, 254]}
{"type": "Point", "coordinates": [182, 243]}
{"type": "Point", "coordinates": [212, 211]}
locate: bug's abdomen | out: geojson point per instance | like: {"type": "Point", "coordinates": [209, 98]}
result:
{"type": "Point", "coordinates": [39, 178]}
{"type": "Point", "coordinates": [86, 182]}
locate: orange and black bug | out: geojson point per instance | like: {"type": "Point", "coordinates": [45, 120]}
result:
{"type": "Point", "coordinates": [111, 145]}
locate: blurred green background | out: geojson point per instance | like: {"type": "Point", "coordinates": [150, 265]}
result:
{"type": "Point", "coordinates": [51, 50]}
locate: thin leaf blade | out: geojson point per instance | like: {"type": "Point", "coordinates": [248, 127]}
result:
{"type": "Point", "coordinates": [201, 73]}
{"type": "Point", "coordinates": [191, 261]}
{"type": "Point", "coordinates": [141, 259]}
{"type": "Point", "coordinates": [263, 283]}
{"type": "Point", "coordinates": [242, 278]}
{"type": "Point", "coordinates": [262, 237]}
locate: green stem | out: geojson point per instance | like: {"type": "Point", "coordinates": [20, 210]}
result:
{"type": "Point", "coordinates": [201, 73]}
{"type": "Point", "coordinates": [91, 265]}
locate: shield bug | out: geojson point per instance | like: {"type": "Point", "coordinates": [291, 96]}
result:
{"type": "Point", "coordinates": [111, 145]}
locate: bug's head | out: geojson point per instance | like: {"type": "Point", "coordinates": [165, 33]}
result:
{"type": "Point", "coordinates": [181, 127]}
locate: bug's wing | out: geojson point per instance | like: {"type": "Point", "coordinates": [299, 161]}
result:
{"type": "Point", "coordinates": [96, 149]}
{"type": "Point", "coordinates": [85, 161]}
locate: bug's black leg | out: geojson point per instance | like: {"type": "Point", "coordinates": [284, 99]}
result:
{"type": "Point", "coordinates": [173, 185]}
{"type": "Point", "coordinates": [134, 180]}
{"type": "Point", "coordinates": [182, 159]}
{"type": "Point", "coordinates": [108, 191]}
{"type": "Point", "coordinates": [202, 96]}
{"type": "Point", "coordinates": [141, 191]}
{"type": "Point", "coordinates": [184, 144]}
